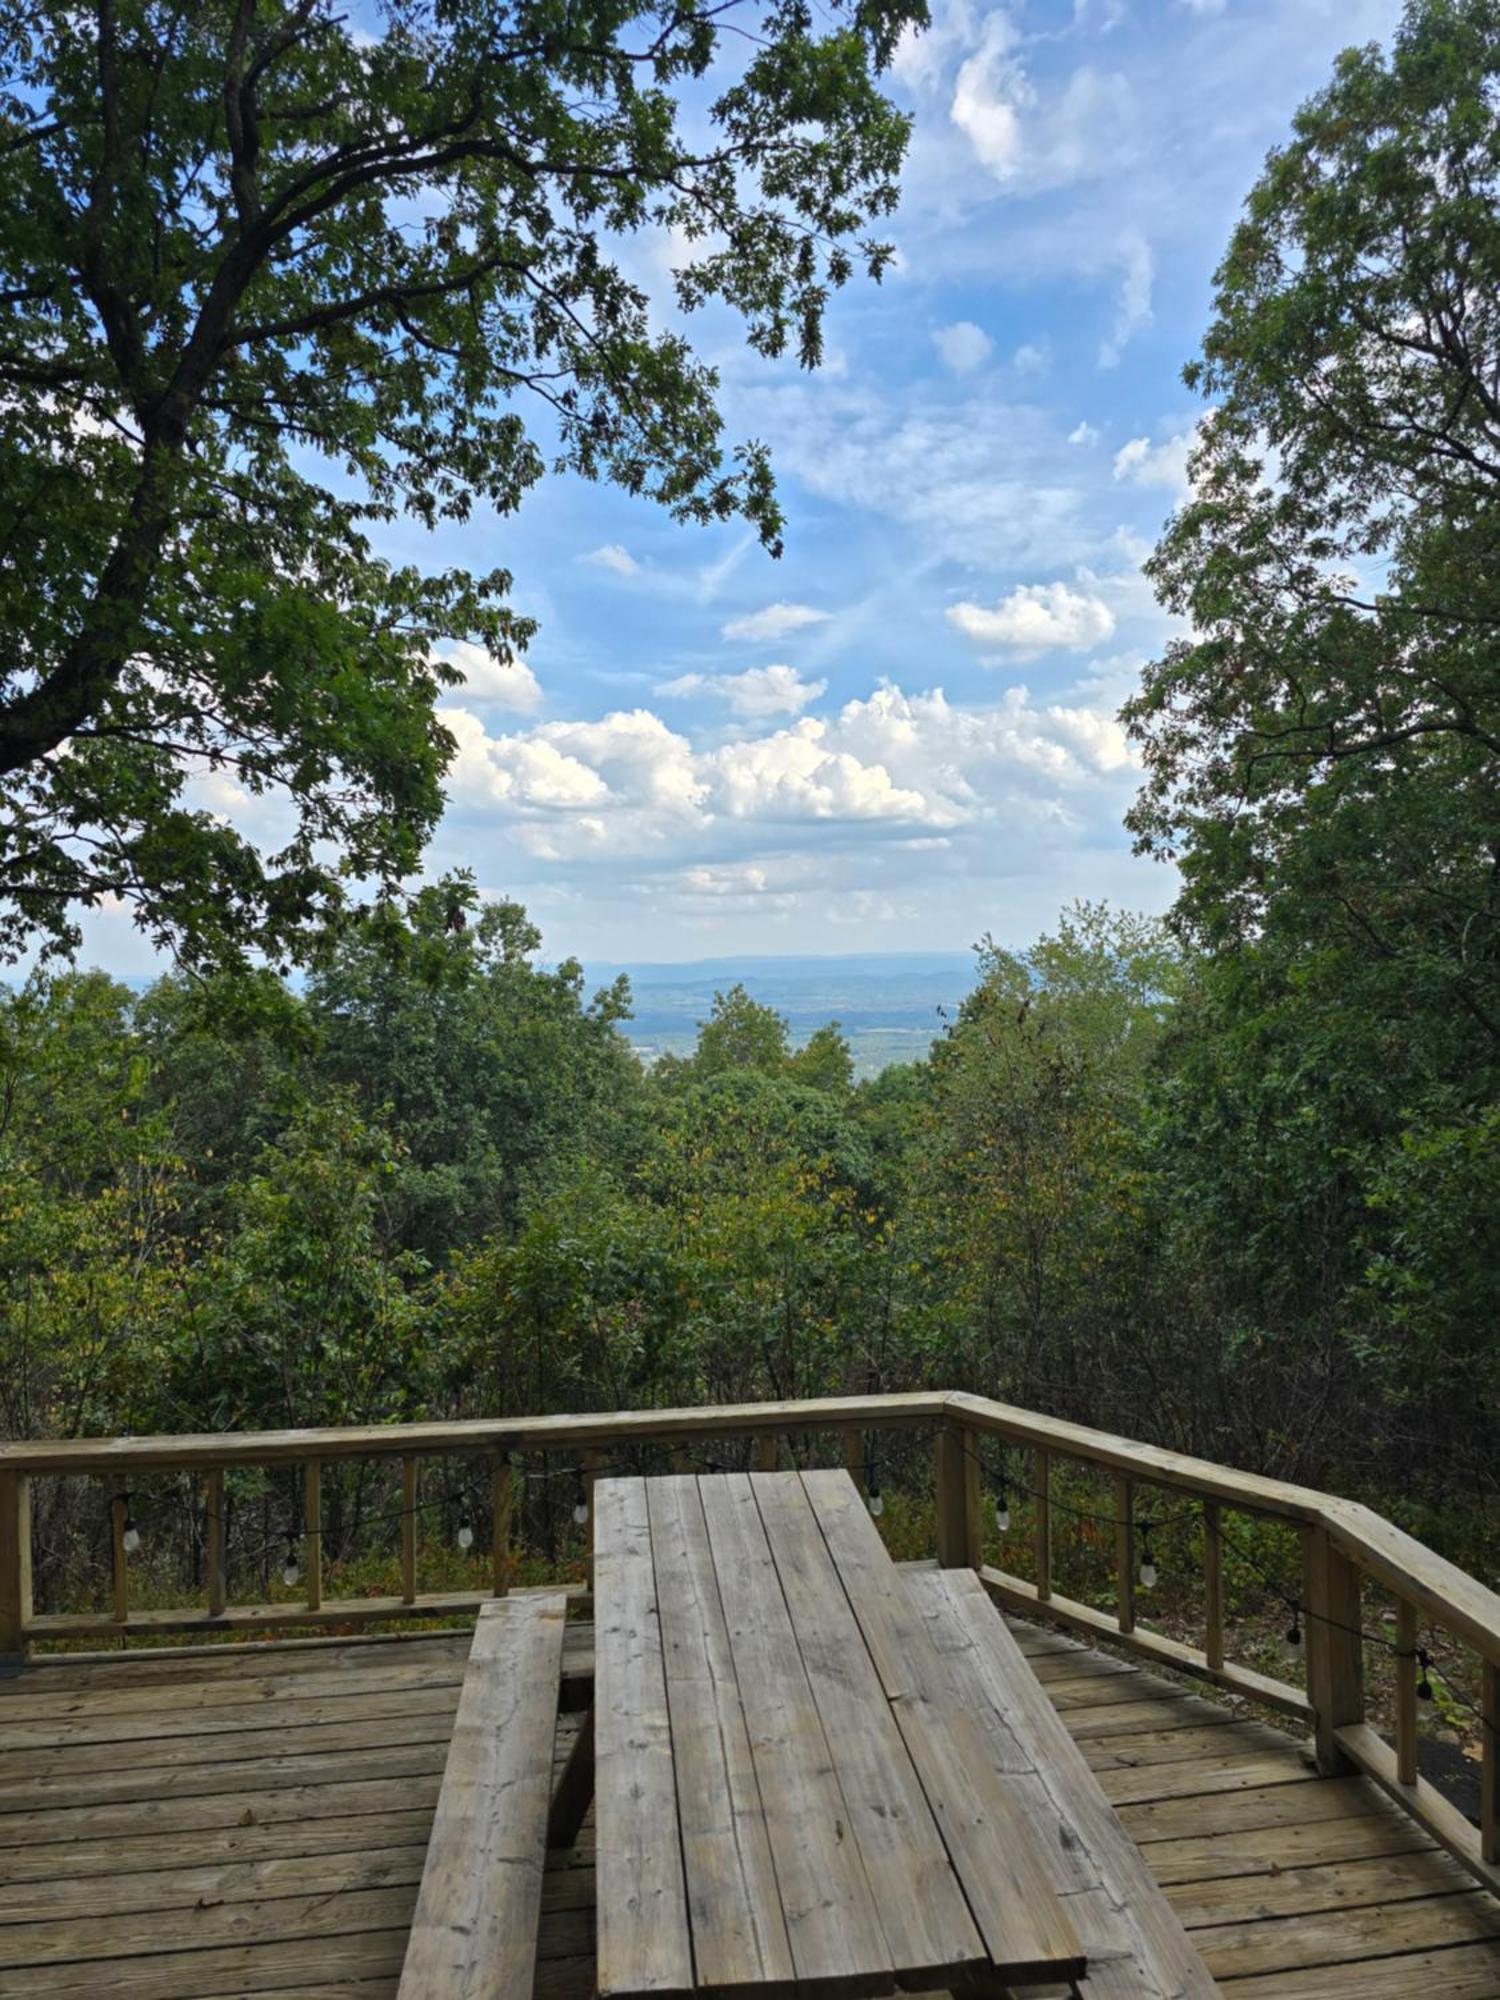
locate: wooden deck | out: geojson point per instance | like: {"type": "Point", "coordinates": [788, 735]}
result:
{"type": "Point", "coordinates": [254, 1820]}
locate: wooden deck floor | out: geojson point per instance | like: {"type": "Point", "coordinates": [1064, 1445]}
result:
{"type": "Point", "coordinates": [254, 1820]}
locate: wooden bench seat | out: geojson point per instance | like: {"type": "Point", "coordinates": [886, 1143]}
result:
{"type": "Point", "coordinates": [479, 1907]}
{"type": "Point", "coordinates": [1137, 1947]}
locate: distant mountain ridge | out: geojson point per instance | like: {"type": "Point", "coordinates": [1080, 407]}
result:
{"type": "Point", "coordinates": [890, 1004]}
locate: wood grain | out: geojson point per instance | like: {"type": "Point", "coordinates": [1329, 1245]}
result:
{"type": "Point", "coordinates": [474, 1933]}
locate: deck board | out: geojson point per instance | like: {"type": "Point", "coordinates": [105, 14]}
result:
{"type": "Point", "coordinates": [287, 1869]}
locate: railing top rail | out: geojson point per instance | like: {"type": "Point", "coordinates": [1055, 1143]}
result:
{"type": "Point", "coordinates": [1199, 1476]}
{"type": "Point", "coordinates": [119, 1456]}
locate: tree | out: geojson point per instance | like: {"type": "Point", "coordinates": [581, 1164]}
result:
{"type": "Point", "coordinates": [1028, 1175]}
{"type": "Point", "coordinates": [495, 1071]}
{"type": "Point", "coordinates": [268, 281]}
{"type": "Point", "coordinates": [1323, 752]}
{"type": "Point", "coordinates": [740, 1033]}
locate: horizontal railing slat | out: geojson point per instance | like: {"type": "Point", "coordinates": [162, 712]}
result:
{"type": "Point", "coordinates": [82, 1456]}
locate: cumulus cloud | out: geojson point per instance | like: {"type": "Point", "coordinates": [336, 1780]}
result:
{"type": "Point", "coordinates": [775, 621]}
{"type": "Point", "coordinates": [963, 347]}
{"type": "Point", "coordinates": [799, 773]}
{"type": "Point", "coordinates": [1033, 357]}
{"type": "Point", "coordinates": [1031, 139]}
{"type": "Point", "coordinates": [628, 788]}
{"type": "Point", "coordinates": [1083, 433]}
{"type": "Point", "coordinates": [758, 691]}
{"type": "Point", "coordinates": [989, 94]}
{"type": "Point", "coordinates": [1142, 463]}
{"type": "Point", "coordinates": [1037, 617]}
{"type": "Point", "coordinates": [490, 680]}
{"type": "Point", "coordinates": [612, 557]}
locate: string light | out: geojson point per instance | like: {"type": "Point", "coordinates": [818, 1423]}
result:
{"type": "Point", "coordinates": [465, 1536]}
{"type": "Point", "coordinates": [872, 1487]}
{"type": "Point", "coordinates": [580, 1499]}
{"type": "Point", "coordinates": [291, 1568]}
{"type": "Point", "coordinates": [1148, 1561]}
{"type": "Point", "coordinates": [130, 1534]}
{"type": "Point", "coordinates": [1424, 1685]}
{"type": "Point", "coordinates": [1002, 1502]}
{"type": "Point", "coordinates": [1294, 1630]}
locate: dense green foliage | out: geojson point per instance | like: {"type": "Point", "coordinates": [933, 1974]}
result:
{"type": "Point", "coordinates": [268, 278]}
{"type": "Point", "coordinates": [1323, 751]}
{"type": "Point", "coordinates": [437, 1180]}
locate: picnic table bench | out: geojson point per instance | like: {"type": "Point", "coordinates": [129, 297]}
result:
{"type": "Point", "coordinates": [819, 1774]}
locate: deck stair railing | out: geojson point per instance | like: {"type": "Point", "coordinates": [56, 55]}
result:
{"type": "Point", "coordinates": [1344, 1547]}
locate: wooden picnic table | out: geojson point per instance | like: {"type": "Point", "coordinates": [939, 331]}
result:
{"type": "Point", "coordinates": [817, 1773]}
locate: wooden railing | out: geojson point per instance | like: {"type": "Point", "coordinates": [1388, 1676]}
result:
{"type": "Point", "coordinates": [1344, 1546]}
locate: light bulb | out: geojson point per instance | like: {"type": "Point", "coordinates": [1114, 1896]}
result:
{"type": "Point", "coordinates": [465, 1531]}
{"type": "Point", "coordinates": [877, 1504]}
{"type": "Point", "coordinates": [130, 1539]}
{"type": "Point", "coordinates": [581, 1513]}
{"type": "Point", "coordinates": [1002, 1518]}
{"type": "Point", "coordinates": [289, 1571]}
{"type": "Point", "coordinates": [1148, 1576]}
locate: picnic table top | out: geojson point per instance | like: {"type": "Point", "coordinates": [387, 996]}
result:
{"type": "Point", "coordinates": [817, 1774]}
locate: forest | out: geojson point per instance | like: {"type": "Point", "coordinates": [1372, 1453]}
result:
{"type": "Point", "coordinates": [1133, 1185]}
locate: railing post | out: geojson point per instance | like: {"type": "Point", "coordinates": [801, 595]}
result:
{"type": "Point", "coordinates": [409, 1530]}
{"type": "Point", "coordinates": [1335, 1647]}
{"type": "Point", "coordinates": [958, 1542]}
{"type": "Point", "coordinates": [1406, 1691]}
{"type": "Point", "coordinates": [213, 1523]}
{"type": "Point", "coordinates": [502, 1507]}
{"type": "Point", "coordinates": [854, 1459]}
{"type": "Point", "coordinates": [312, 1532]}
{"type": "Point", "coordinates": [1043, 1524]}
{"type": "Point", "coordinates": [119, 1513]}
{"type": "Point", "coordinates": [593, 1465]}
{"type": "Point", "coordinates": [1213, 1586]}
{"type": "Point", "coordinates": [15, 1564]}
{"type": "Point", "coordinates": [1489, 1775]}
{"type": "Point", "coordinates": [1125, 1551]}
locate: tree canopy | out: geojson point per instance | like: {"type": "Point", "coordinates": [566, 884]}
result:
{"type": "Point", "coordinates": [270, 278]}
{"type": "Point", "coordinates": [1323, 752]}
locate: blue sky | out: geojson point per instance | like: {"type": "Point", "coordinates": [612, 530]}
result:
{"type": "Point", "coordinates": [902, 734]}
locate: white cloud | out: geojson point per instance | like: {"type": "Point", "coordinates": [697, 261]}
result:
{"type": "Point", "coordinates": [758, 692]}
{"type": "Point", "coordinates": [611, 556]}
{"type": "Point", "coordinates": [963, 347]}
{"type": "Point", "coordinates": [1132, 299]}
{"type": "Point", "coordinates": [989, 93]}
{"type": "Point", "coordinates": [1141, 463]}
{"type": "Point", "coordinates": [1083, 433]}
{"type": "Point", "coordinates": [628, 786]}
{"type": "Point", "coordinates": [489, 680]}
{"type": "Point", "coordinates": [799, 774]}
{"type": "Point", "coordinates": [527, 771]}
{"type": "Point", "coordinates": [1032, 138]}
{"type": "Point", "coordinates": [775, 621]}
{"type": "Point", "coordinates": [1204, 7]}
{"type": "Point", "coordinates": [1033, 358]}
{"type": "Point", "coordinates": [1037, 617]}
